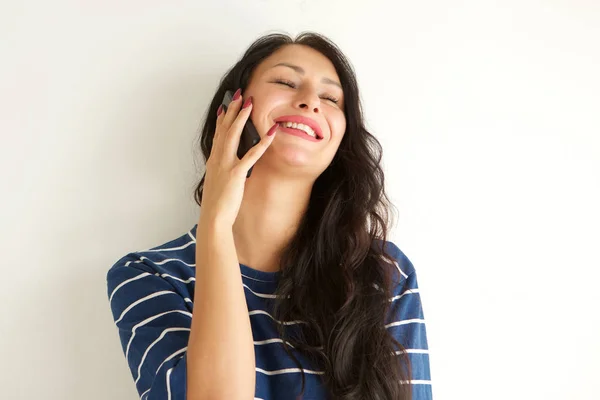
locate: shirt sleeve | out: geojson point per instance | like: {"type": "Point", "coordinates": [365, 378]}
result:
{"type": "Point", "coordinates": [407, 325]}
{"type": "Point", "coordinates": [154, 325]}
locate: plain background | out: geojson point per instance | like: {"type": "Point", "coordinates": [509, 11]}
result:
{"type": "Point", "coordinates": [489, 115]}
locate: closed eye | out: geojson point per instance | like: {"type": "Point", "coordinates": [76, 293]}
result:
{"type": "Point", "coordinates": [292, 85]}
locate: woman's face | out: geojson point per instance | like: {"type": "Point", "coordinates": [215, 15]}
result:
{"type": "Point", "coordinates": [315, 93]}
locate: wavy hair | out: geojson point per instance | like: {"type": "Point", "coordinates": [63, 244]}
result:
{"type": "Point", "coordinates": [334, 276]}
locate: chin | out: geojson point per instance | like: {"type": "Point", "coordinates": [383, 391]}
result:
{"type": "Point", "coordinates": [292, 160]}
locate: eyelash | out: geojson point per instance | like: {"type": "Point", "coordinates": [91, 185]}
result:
{"type": "Point", "coordinates": [291, 84]}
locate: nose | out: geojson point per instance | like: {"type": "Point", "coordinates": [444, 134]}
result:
{"type": "Point", "coordinates": [310, 100]}
{"type": "Point", "coordinates": [311, 107]}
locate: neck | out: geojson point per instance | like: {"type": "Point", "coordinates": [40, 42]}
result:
{"type": "Point", "coordinates": [269, 216]}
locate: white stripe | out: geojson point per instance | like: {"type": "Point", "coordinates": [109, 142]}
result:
{"type": "Point", "coordinates": [414, 351]}
{"type": "Point", "coordinates": [398, 266]}
{"type": "Point", "coordinates": [188, 300]}
{"type": "Point", "coordinates": [255, 312]}
{"type": "Point", "coordinates": [142, 258]}
{"type": "Point", "coordinates": [407, 291]}
{"type": "Point", "coordinates": [268, 341]}
{"type": "Point", "coordinates": [255, 279]}
{"type": "Point", "coordinates": [152, 345]}
{"type": "Point", "coordinates": [142, 396]}
{"type": "Point", "coordinates": [150, 296]}
{"type": "Point", "coordinates": [179, 279]}
{"type": "Point", "coordinates": [266, 296]}
{"type": "Point", "coordinates": [287, 371]}
{"type": "Point", "coordinates": [406, 321]}
{"type": "Point", "coordinates": [126, 282]}
{"type": "Point", "coordinates": [166, 261]}
{"type": "Point", "coordinates": [144, 322]}
{"type": "Point", "coordinates": [183, 350]}
{"type": "Point", "coordinates": [169, 383]}
{"type": "Point", "coordinates": [417, 382]}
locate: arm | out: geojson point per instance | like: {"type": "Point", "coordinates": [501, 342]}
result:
{"type": "Point", "coordinates": [407, 324]}
{"type": "Point", "coordinates": [221, 363]}
{"type": "Point", "coordinates": [153, 323]}
{"type": "Point", "coordinates": [172, 355]}
{"type": "Point", "coordinates": [408, 328]}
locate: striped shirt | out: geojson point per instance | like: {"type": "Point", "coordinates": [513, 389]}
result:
{"type": "Point", "coordinates": [151, 295]}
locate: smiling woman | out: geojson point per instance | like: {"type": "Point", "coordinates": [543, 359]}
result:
{"type": "Point", "coordinates": [299, 292]}
{"type": "Point", "coordinates": [297, 83]}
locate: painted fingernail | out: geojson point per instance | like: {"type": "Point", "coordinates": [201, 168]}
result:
{"type": "Point", "coordinates": [219, 110]}
{"type": "Point", "coordinates": [272, 130]}
{"type": "Point", "coordinates": [248, 102]}
{"type": "Point", "coordinates": [237, 94]}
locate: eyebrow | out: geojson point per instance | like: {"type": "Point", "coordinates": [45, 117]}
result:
{"type": "Point", "coordinates": [300, 70]}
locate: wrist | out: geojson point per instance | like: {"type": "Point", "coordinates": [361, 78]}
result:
{"type": "Point", "coordinates": [209, 227]}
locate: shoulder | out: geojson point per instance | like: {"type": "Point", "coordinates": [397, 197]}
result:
{"type": "Point", "coordinates": [173, 260]}
{"type": "Point", "coordinates": [402, 266]}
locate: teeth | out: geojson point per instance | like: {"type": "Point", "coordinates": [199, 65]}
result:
{"type": "Point", "coordinates": [309, 131]}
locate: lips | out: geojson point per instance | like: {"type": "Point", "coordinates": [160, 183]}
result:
{"type": "Point", "coordinates": [299, 119]}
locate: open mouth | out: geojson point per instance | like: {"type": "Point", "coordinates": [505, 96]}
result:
{"type": "Point", "coordinates": [300, 129]}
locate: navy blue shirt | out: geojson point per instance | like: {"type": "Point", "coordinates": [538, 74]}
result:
{"type": "Point", "coordinates": [151, 295]}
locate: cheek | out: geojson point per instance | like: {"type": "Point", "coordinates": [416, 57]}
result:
{"type": "Point", "coordinates": [338, 127]}
{"type": "Point", "coordinates": [263, 107]}
{"type": "Point", "coordinates": [259, 113]}
{"type": "Point", "coordinates": [271, 96]}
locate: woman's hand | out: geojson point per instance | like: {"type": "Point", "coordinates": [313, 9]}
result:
{"type": "Point", "coordinates": [225, 172]}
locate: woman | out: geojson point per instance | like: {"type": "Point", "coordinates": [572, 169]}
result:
{"type": "Point", "coordinates": [297, 292]}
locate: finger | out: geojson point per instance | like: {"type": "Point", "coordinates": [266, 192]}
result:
{"type": "Point", "coordinates": [232, 109]}
{"type": "Point", "coordinates": [235, 131]}
{"type": "Point", "coordinates": [217, 137]}
{"type": "Point", "coordinates": [253, 155]}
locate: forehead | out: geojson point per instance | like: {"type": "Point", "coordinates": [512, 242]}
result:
{"type": "Point", "coordinates": [309, 59]}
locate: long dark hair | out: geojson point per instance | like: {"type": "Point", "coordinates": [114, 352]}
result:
{"type": "Point", "coordinates": [335, 271]}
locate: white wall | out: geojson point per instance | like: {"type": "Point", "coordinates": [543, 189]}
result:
{"type": "Point", "coordinates": [489, 113]}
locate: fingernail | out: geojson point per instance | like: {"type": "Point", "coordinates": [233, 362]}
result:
{"type": "Point", "coordinates": [248, 102]}
{"type": "Point", "coordinates": [219, 110]}
{"type": "Point", "coordinates": [237, 94]}
{"type": "Point", "coordinates": [272, 130]}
